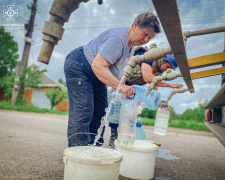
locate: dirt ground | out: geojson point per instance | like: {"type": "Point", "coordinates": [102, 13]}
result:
{"type": "Point", "coordinates": [32, 146]}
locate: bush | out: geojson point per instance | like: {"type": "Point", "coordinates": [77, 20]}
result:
{"type": "Point", "coordinates": [56, 96]}
{"type": "Point", "coordinates": [148, 113]}
{"type": "Point", "coordinates": [179, 124]}
{"type": "Point", "coordinates": [196, 114]}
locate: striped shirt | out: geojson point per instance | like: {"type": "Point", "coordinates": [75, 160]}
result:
{"type": "Point", "coordinates": [112, 44]}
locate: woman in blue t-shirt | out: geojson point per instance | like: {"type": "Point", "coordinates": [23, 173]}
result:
{"type": "Point", "coordinates": [88, 69]}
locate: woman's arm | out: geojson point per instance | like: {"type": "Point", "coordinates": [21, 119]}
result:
{"type": "Point", "coordinates": [100, 68]}
{"type": "Point", "coordinates": [148, 76]}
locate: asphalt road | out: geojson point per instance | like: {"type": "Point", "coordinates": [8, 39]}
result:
{"type": "Point", "coordinates": [32, 145]}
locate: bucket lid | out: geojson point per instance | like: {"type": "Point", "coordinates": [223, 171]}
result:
{"type": "Point", "coordinates": [92, 155]}
{"type": "Point", "coordinates": [140, 146]}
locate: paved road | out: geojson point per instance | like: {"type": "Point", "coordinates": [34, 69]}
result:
{"type": "Point", "coordinates": [32, 144]}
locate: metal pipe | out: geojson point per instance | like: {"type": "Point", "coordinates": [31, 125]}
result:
{"type": "Point", "coordinates": [188, 34]}
{"type": "Point", "coordinates": [179, 90]}
{"type": "Point", "coordinates": [53, 29]}
{"type": "Point", "coordinates": [153, 54]}
{"type": "Point", "coordinates": [168, 76]}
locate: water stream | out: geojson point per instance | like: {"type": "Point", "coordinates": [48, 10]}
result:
{"type": "Point", "coordinates": [104, 118]}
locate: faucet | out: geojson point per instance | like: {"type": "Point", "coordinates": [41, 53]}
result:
{"type": "Point", "coordinates": [168, 76]}
{"type": "Point", "coordinates": [53, 29]}
{"type": "Point", "coordinates": [179, 90]}
{"type": "Point", "coordinates": [153, 54]}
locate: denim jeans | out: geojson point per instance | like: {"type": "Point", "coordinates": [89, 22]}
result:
{"type": "Point", "coordinates": [87, 100]}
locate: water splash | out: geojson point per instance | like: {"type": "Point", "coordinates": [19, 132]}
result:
{"type": "Point", "coordinates": [104, 118]}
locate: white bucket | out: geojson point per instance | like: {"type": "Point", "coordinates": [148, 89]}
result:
{"type": "Point", "coordinates": [88, 162]}
{"type": "Point", "coordinates": [139, 161]}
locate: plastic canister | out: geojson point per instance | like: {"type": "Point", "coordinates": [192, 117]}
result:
{"type": "Point", "coordinates": [127, 123]}
{"type": "Point", "coordinates": [88, 162]}
{"type": "Point", "coordinates": [140, 133]}
{"type": "Point", "coordinates": [161, 120]}
{"type": "Point", "coordinates": [114, 114]}
{"type": "Point", "coordinates": [151, 101]}
{"type": "Point", "coordinates": [139, 161]}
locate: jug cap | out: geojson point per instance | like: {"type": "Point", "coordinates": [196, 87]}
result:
{"type": "Point", "coordinates": [139, 124]}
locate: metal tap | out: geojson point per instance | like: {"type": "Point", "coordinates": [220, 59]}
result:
{"type": "Point", "coordinates": [168, 76]}
{"type": "Point", "coordinates": [53, 29]}
{"type": "Point", "coordinates": [153, 54]}
{"type": "Point", "coordinates": [179, 90]}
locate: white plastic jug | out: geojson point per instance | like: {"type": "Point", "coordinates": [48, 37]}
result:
{"type": "Point", "coordinates": [127, 123]}
{"type": "Point", "coordinates": [161, 120]}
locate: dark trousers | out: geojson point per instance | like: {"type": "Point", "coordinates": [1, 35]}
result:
{"type": "Point", "coordinates": [87, 100]}
{"type": "Point", "coordinates": [112, 125]}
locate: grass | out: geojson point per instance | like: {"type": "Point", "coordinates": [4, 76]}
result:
{"type": "Point", "coordinates": [29, 108]}
{"type": "Point", "coordinates": [185, 124]}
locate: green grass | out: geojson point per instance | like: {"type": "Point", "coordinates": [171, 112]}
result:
{"type": "Point", "coordinates": [28, 108]}
{"type": "Point", "coordinates": [185, 124]}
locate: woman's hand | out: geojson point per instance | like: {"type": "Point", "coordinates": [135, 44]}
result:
{"type": "Point", "coordinates": [176, 85]}
{"type": "Point", "coordinates": [161, 104]}
{"type": "Point", "coordinates": [127, 91]}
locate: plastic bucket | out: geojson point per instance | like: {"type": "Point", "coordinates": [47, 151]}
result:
{"type": "Point", "coordinates": [95, 163]}
{"type": "Point", "coordinates": [139, 161]}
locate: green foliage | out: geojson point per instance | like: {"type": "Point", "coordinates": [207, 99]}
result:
{"type": "Point", "coordinates": [172, 112]}
{"type": "Point", "coordinates": [148, 113]}
{"type": "Point", "coordinates": [30, 78]}
{"type": "Point", "coordinates": [8, 53]}
{"type": "Point", "coordinates": [56, 96]}
{"type": "Point", "coordinates": [147, 121]}
{"type": "Point", "coordinates": [7, 84]}
{"type": "Point", "coordinates": [152, 113]}
{"type": "Point", "coordinates": [189, 125]}
{"type": "Point", "coordinates": [179, 124]}
{"type": "Point", "coordinates": [28, 108]}
{"type": "Point", "coordinates": [61, 81]}
{"type": "Point", "coordinates": [196, 114]}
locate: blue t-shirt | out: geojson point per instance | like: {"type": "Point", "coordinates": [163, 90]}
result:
{"type": "Point", "coordinates": [141, 52]}
{"type": "Point", "coordinates": [112, 44]}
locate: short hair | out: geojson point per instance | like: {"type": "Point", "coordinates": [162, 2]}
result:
{"type": "Point", "coordinates": [148, 20]}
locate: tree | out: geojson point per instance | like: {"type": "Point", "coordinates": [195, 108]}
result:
{"type": "Point", "coordinates": [7, 84]}
{"type": "Point", "coordinates": [61, 81]}
{"type": "Point", "coordinates": [196, 114]}
{"type": "Point", "coordinates": [8, 53]}
{"type": "Point", "coordinates": [31, 78]}
{"type": "Point", "coordinates": [152, 113]}
{"type": "Point", "coordinates": [172, 112]}
{"type": "Point", "coordinates": [148, 113]}
{"type": "Point", "coordinates": [56, 96]}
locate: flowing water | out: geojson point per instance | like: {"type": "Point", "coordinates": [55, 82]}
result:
{"type": "Point", "coordinates": [104, 118]}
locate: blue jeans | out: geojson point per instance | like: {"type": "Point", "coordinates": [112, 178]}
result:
{"type": "Point", "coordinates": [87, 100]}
